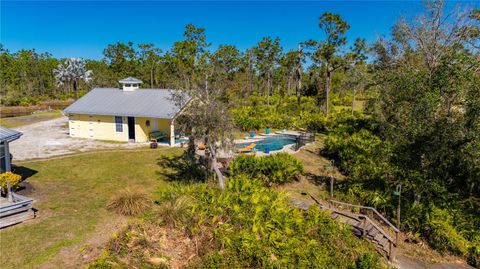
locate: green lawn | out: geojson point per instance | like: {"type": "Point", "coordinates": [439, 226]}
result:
{"type": "Point", "coordinates": [72, 194]}
{"type": "Point", "coordinates": [13, 122]}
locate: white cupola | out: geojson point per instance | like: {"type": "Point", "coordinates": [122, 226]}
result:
{"type": "Point", "coordinates": [130, 84]}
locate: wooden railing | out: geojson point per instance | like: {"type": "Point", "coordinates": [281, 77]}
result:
{"type": "Point", "coordinates": [391, 242]}
{"type": "Point", "coordinates": [365, 220]}
{"type": "Point", "coordinates": [374, 212]}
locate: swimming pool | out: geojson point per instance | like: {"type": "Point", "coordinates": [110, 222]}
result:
{"type": "Point", "coordinates": [273, 143]}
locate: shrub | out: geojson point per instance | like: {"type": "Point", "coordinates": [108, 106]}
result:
{"type": "Point", "coordinates": [441, 233]}
{"type": "Point", "coordinates": [250, 226]}
{"type": "Point", "coordinates": [473, 257]}
{"type": "Point", "coordinates": [316, 122]}
{"type": "Point", "coordinates": [246, 119]}
{"type": "Point", "coordinates": [367, 261]}
{"type": "Point", "coordinates": [437, 227]}
{"type": "Point", "coordinates": [283, 112]}
{"type": "Point", "coordinates": [362, 155]}
{"type": "Point", "coordinates": [274, 168]}
{"type": "Point", "coordinates": [174, 211]}
{"type": "Point", "coordinates": [130, 202]}
{"type": "Point", "coordinates": [10, 177]}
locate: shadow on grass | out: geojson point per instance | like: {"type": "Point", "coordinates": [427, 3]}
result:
{"type": "Point", "coordinates": [179, 168]}
{"type": "Point", "coordinates": [25, 172]}
{"type": "Point", "coordinates": [24, 187]}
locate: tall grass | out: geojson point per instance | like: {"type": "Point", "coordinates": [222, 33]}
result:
{"type": "Point", "coordinates": [130, 202]}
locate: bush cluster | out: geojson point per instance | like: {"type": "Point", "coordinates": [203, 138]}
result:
{"type": "Point", "coordinates": [11, 178]}
{"type": "Point", "coordinates": [271, 169]}
{"type": "Point", "coordinates": [440, 228]}
{"type": "Point", "coordinates": [283, 112]}
{"type": "Point", "coordinates": [256, 227]}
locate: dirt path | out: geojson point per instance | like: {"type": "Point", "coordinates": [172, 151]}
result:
{"type": "Point", "coordinates": [50, 138]}
{"type": "Point", "coordinates": [404, 262]}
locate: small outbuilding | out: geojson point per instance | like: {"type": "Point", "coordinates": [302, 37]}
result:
{"type": "Point", "coordinates": [6, 136]}
{"type": "Point", "coordinates": [128, 114]}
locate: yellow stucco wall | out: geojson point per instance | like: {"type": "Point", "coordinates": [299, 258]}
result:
{"type": "Point", "coordinates": [103, 127]}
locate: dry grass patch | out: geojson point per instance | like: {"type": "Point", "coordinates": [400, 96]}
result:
{"type": "Point", "coordinates": [146, 245]}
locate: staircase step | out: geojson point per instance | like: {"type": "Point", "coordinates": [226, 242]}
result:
{"type": "Point", "coordinates": [378, 237]}
{"type": "Point", "coordinates": [373, 232]}
{"type": "Point", "coordinates": [384, 243]}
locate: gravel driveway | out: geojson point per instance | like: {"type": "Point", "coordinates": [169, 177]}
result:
{"type": "Point", "coordinates": [50, 138]}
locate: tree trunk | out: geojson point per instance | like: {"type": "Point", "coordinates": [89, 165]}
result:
{"type": "Point", "coordinates": [214, 167]}
{"type": "Point", "coordinates": [151, 76]}
{"type": "Point", "coordinates": [221, 182]}
{"type": "Point", "coordinates": [289, 82]}
{"type": "Point", "coordinates": [327, 88]}
{"type": "Point", "coordinates": [298, 75]}
{"type": "Point", "coordinates": [269, 84]}
{"type": "Point", "coordinates": [75, 89]}
{"type": "Point", "coordinates": [353, 100]}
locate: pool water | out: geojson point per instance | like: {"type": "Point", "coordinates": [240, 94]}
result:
{"type": "Point", "coordinates": [272, 143]}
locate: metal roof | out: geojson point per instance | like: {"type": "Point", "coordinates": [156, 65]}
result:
{"type": "Point", "coordinates": [153, 103]}
{"type": "Point", "coordinates": [130, 80]}
{"type": "Point", "coordinates": [8, 134]}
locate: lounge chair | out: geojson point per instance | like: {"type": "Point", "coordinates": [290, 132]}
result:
{"type": "Point", "coordinates": [248, 148]}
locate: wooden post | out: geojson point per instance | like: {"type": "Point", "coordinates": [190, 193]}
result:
{"type": "Point", "coordinates": [364, 233]}
{"type": "Point", "coordinates": [8, 166]}
{"type": "Point", "coordinates": [331, 187]}
{"type": "Point", "coordinates": [390, 256]}
{"type": "Point", "coordinates": [172, 133]}
{"type": "Point", "coordinates": [398, 206]}
{"type": "Point", "coordinates": [9, 193]}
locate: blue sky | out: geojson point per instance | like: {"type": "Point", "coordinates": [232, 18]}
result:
{"type": "Point", "coordinates": [85, 28]}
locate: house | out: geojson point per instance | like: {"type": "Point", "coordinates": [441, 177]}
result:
{"type": "Point", "coordinates": [128, 114]}
{"type": "Point", "coordinates": [6, 136]}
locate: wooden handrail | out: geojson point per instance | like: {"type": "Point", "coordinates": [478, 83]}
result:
{"type": "Point", "coordinates": [343, 213]}
{"type": "Point", "coordinates": [369, 208]}
{"type": "Point", "coordinates": [359, 217]}
{"type": "Point", "coordinates": [379, 229]}
{"type": "Point", "coordinates": [364, 218]}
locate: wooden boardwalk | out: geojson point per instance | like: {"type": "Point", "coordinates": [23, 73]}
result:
{"type": "Point", "coordinates": [15, 209]}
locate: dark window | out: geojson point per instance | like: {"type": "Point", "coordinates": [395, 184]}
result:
{"type": "Point", "coordinates": [118, 124]}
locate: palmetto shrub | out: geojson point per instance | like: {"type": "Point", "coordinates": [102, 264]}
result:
{"type": "Point", "coordinates": [130, 202]}
{"type": "Point", "coordinates": [250, 226]}
{"type": "Point", "coordinates": [275, 168]}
